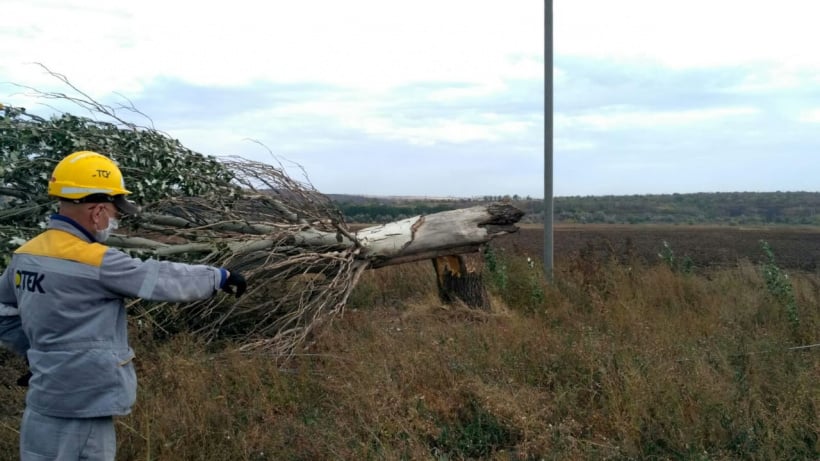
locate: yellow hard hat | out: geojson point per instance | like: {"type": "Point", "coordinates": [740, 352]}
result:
{"type": "Point", "coordinates": [87, 176]}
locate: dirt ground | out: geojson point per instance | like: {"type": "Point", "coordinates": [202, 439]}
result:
{"type": "Point", "coordinates": [796, 248]}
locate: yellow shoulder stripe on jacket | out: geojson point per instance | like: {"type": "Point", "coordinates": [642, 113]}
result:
{"type": "Point", "coordinates": [63, 245]}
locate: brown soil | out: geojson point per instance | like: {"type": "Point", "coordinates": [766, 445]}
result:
{"type": "Point", "coordinates": [707, 246]}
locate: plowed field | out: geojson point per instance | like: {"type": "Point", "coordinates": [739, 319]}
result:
{"type": "Point", "coordinates": [707, 246]}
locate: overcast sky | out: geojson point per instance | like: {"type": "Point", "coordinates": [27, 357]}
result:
{"type": "Point", "coordinates": [446, 97]}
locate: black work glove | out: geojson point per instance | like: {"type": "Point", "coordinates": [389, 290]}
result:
{"type": "Point", "coordinates": [235, 279]}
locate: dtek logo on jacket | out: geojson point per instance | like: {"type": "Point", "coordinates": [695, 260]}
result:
{"type": "Point", "coordinates": [31, 281]}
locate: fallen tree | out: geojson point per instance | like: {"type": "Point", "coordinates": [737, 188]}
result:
{"type": "Point", "coordinates": [300, 257]}
{"type": "Point", "coordinates": [301, 273]}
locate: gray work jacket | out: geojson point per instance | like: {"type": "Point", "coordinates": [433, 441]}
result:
{"type": "Point", "coordinates": [69, 290]}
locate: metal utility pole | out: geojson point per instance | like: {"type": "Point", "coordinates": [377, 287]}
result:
{"type": "Point", "coordinates": [548, 106]}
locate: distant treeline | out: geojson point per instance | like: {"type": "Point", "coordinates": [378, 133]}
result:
{"type": "Point", "coordinates": [730, 208]}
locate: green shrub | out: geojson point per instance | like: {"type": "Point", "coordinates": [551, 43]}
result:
{"type": "Point", "coordinates": [779, 286]}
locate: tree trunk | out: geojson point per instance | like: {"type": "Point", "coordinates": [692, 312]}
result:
{"type": "Point", "coordinates": [413, 239]}
{"type": "Point", "coordinates": [457, 283]}
{"type": "Point", "coordinates": [438, 234]}
{"type": "Point", "coordinates": [301, 274]}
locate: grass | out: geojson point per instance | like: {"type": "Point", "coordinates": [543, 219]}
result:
{"type": "Point", "coordinates": [612, 361]}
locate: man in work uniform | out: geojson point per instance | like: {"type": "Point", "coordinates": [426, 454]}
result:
{"type": "Point", "coordinates": [69, 288]}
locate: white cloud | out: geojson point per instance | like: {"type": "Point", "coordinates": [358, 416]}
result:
{"type": "Point", "coordinates": [810, 116]}
{"type": "Point", "coordinates": [418, 89]}
{"type": "Point", "coordinates": [104, 46]}
{"type": "Point", "coordinates": [456, 93]}
{"type": "Point", "coordinates": [437, 131]}
{"type": "Point", "coordinates": [566, 144]}
{"type": "Point", "coordinates": [690, 33]}
{"type": "Point", "coordinates": [618, 118]}
{"type": "Point", "coordinates": [776, 77]}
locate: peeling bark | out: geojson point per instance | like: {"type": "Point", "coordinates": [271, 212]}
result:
{"type": "Point", "coordinates": [438, 234]}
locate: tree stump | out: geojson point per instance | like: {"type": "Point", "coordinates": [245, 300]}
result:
{"type": "Point", "coordinates": [456, 282]}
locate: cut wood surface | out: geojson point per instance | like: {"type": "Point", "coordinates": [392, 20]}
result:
{"type": "Point", "coordinates": [438, 234]}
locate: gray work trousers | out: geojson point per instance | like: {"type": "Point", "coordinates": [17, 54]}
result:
{"type": "Point", "coordinates": [66, 439]}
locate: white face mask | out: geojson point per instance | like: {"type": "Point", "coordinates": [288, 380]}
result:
{"type": "Point", "coordinates": [102, 235]}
